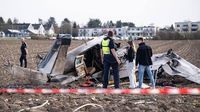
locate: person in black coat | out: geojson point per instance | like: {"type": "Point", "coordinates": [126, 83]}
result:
{"type": "Point", "coordinates": [143, 58]}
{"type": "Point", "coordinates": [24, 53]}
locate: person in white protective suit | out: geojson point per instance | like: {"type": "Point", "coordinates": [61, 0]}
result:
{"type": "Point", "coordinates": [130, 56]}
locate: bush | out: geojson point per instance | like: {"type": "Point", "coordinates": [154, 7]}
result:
{"type": "Point", "coordinates": [39, 37]}
{"type": "Point", "coordinates": [171, 35]}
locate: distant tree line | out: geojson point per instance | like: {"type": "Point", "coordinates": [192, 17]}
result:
{"type": "Point", "coordinates": [4, 25]}
{"type": "Point", "coordinates": [96, 23]}
{"type": "Point", "coordinates": [68, 26]}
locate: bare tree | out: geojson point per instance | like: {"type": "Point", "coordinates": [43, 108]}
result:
{"type": "Point", "coordinates": [66, 27]}
{"type": "Point", "coordinates": [2, 21]}
{"type": "Point", "coordinates": [15, 21]}
{"type": "Point", "coordinates": [9, 22]}
{"type": "Point", "coordinates": [40, 21]}
{"type": "Point", "coordinates": [75, 30]}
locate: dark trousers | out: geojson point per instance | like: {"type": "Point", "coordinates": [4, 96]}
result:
{"type": "Point", "coordinates": [106, 74]}
{"type": "Point", "coordinates": [23, 58]}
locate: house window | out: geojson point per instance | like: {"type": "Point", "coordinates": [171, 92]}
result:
{"type": "Point", "coordinates": [194, 29]}
{"type": "Point", "coordinates": [185, 29]}
{"type": "Point", "coordinates": [177, 25]}
{"type": "Point", "coordinates": [194, 25]}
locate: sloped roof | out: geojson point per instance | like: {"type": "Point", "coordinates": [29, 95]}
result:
{"type": "Point", "coordinates": [36, 26]}
{"type": "Point", "coordinates": [33, 31]}
{"type": "Point", "coordinates": [47, 27]}
{"type": "Point", "coordinates": [21, 26]}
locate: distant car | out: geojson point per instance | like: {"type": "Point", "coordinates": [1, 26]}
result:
{"type": "Point", "coordinates": [2, 34]}
{"type": "Point", "coordinates": [52, 38]}
{"type": "Point", "coordinates": [28, 37]}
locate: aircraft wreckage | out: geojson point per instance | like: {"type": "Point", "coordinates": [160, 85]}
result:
{"type": "Point", "coordinates": [65, 66]}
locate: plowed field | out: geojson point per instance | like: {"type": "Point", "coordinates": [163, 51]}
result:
{"type": "Point", "coordinates": [10, 50]}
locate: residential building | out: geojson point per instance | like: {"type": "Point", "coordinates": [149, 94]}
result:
{"type": "Point", "coordinates": [91, 32]}
{"type": "Point", "coordinates": [133, 32]}
{"type": "Point", "coordinates": [12, 33]}
{"type": "Point", "coordinates": [27, 29]}
{"type": "Point", "coordinates": [38, 29]}
{"type": "Point", "coordinates": [50, 31]}
{"type": "Point", "coordinates": [144, 31]}
{"type": "Point", "coordinates": [2, 34]}
{"type": "Point", "coordinates": [17, 30]}
{"type": "Point", "coordinates": [121, 31]}
{"type": "Point", "coordinates": [187, 27]}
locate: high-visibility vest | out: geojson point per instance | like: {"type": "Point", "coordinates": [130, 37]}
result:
{"type": "Point", "coordinates": [105, 46]}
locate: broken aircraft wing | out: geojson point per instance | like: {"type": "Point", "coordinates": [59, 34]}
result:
{"type": "Point", "coordinates": [173, 64]}
{"type": "Point", "coordinates": [54, 61]}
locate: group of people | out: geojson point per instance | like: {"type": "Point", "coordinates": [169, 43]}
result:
{"type": "Point", "coordinates": [140, 59]}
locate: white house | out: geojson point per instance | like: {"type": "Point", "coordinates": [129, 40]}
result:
{"type": "Point", "coordinates": [50, 31]}
{"type": "Point", "coordinates": [39, 29]}
{"type": "Point", "coordinates": [2, 34]}
{"type": "Point", "coordinates": [31, 29]}
{"type": "Point", "coordinates": [187, 27]}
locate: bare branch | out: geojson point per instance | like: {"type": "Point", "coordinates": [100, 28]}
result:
{"type": "Point", "coordinates": [36, 107]}
{"type": "Point", "coordinates": [89, 104]}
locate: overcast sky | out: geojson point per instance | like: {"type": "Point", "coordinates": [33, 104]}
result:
{"type": "Point", "coordinates": [141, 12]}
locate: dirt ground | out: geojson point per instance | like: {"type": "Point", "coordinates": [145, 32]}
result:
{"type": "Point", "coordinates": [9, 49]}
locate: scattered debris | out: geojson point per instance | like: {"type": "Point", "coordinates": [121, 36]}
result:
{"type": "Point", "coordinates": [36, 107]}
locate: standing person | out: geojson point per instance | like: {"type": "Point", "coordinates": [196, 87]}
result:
{"type": "Point", "coordinates": [109, 59]}
{"type": "Point", "coordinates": [143, 58]}
{"type": "Point", "coordinates": [24, 52]}
{"type": "Point", "coordinates": [130, 64]}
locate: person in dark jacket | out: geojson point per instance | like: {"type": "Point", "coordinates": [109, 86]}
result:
{"type": "Point", "coordinates": [109, 59]}
{"type": "Point", "coordinates": [130, 56]}
{"type": "Point", "coordinates": [143, 58]}
{"type": "Point", "coordinates": [24, 52]}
